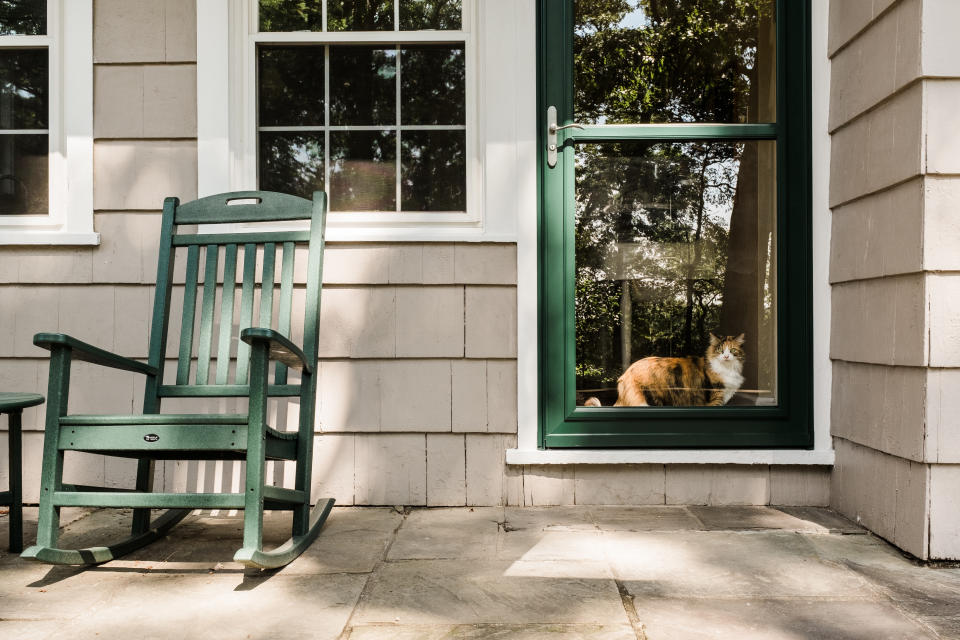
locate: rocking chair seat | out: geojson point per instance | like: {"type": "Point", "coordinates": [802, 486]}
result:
{"type": "Point", "coordinates": [186, 436]}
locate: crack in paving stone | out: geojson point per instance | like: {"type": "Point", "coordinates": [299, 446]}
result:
{"type": "Point", "coordinates": [639, 629]}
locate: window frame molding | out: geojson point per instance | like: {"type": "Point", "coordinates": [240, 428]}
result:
{"type": "Point", "coordinates": [528, 449]}
{"type": "Point", "coordinates": [227, 128]}
{"type": "Point", "coordinates": [69, 41]}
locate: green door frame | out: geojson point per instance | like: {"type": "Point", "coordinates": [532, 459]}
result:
{"type": "Point", "coordinates": [564, 425]}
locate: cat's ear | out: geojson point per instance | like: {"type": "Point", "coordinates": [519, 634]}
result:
{"type": "Point", "coordinates": [714, 340]}
{"type": "Point", "coordinates": [740, 338]}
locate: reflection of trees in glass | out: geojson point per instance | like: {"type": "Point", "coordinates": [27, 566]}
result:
{"type": "Point", "coordinates": [433, 171]}
{"type": "Point", "coordinates": [291, 163]}
{"type": "Point", "coordinates": [671, 60]}
{"type": "Point", "coordinates": [23, 17]}
{"type": "Point", "coordinates": [291, 15]}
{"type": "Point", "coordinates": [651, 245]}
{"type": "Point", "coordinates": [363, 88]}
{"type": "Point", "coordinates": [432, 85]}
{"type": "Point", "coordinates": [290, 86]}
{"type": "Point", "coordinates": [359, 15]}
{"type": "Point", "coordinates": [363, 171]}
{"type": "Point", "coordinates": [667, 247]}
{"type": "Point", "coordinates": [23, 89]}
{"type": "Point", "coordinates": [430, 14]}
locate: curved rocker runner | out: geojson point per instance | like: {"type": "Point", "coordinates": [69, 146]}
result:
{"type": "Point", "coordinates": [214, 361]}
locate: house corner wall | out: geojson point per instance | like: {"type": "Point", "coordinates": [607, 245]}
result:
{"type": "Point", "coordinates": [895, 200]}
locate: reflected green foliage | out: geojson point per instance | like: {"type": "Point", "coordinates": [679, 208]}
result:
{"type": "Point", "coordinates": [23, 17]}
{"type": "Point", "coordinates": [363, 88]}
{"type": "Point", "coordinates": [363, 171]}
{"type": "Point", "coordinates": [670, 60]}
{"type": "Point", "coordinates": [290, 86]}
{"type": "Point", "coordinates": [24, 175]}
{"type": "Point", "coordinates": [432, 85]}
{"type": "Point", "coordinates": [291, 163]}
{"type": "Point", "coordinates": [291, 15]}
{"type": "Point", "coordinates": [431, 14]}
{"type": "Point", "coordinates": [23, 89]}
{"type": "Point", "coordinates": [433, 171]}
{"type": "Point", "coordinates": [652, 225]}
{"type": "Point", "coordinates": [660, 227]}
{"type": "Point", "coordinates": [359, 15]}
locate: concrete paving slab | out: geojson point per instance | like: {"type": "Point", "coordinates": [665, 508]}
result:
{"type": "Point", "coordinates": [645, 518]}
{"type": "Point", "coordinates": [530, 545]}
{"type": "Point", "coordinates": [448, 534]}
{"type": "Point", "coordinates": [829, 520]}
{"type": "Point", "coordinates": [784, 619]}
{"type": "Point", "coordinates": [735, 518]}
{"type": "Point", "coordinates": [148, 606]}
{"type": "Point", "coordinates": [494, 632]}
{"type": "Point", "coordinates": [867, 550]}
{"type": "Point", "coordinates": [923, 591]}
{"type": "Point", "coordinates": [473, 592]}
{"type": "Point", "coordinates": [548, 518]}
{"type": "Point", "coordinates": [727, 564]}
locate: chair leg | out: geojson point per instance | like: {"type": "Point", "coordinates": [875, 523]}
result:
{"type": "Point", "coordinates": [51, 475]}
{"type": "Point", "coordinates": [141, 517]}
{"type": "Point", "coordinates": [16, 482]}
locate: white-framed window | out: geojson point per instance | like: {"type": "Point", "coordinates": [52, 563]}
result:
{"type": "Point", "coordinates": [46, 122]}
{"type": "Point", "coordinates": [378, 102]}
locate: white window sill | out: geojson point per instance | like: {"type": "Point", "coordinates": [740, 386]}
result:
{"type": "Point", "coordinates": [671, 456]}
{"type": "Point", "coordinates": [48, 238]}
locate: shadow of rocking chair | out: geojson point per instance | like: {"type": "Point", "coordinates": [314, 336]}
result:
{"type": "Point", "coordinates": [155, 436]}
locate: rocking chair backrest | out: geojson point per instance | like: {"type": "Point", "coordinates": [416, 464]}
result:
{"type": "Point", "coordinates": [217, 305]}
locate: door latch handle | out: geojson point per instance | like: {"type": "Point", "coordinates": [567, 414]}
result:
{"type": "Point", "coordinates": [552, 129]}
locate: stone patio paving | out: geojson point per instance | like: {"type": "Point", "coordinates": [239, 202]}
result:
{"type": "Point", "coordinates": [584, 573]}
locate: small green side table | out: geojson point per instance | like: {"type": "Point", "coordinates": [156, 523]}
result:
{"type": "Point", "coordinates": [13, 404]}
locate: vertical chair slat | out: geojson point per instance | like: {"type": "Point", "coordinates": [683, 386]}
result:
{"type": "Point", "coordinates": [266, 287]}
{"type": "Point", "coordinates": [246, 309]}
{"type": "Point", "coordinates": [189, 313]}
{"type": "Point", "coordinates": [226, 312]}
{"type": "Point", "coordinates": [286, 303]}
{"type": "Point", "coordinates": [206, 313]}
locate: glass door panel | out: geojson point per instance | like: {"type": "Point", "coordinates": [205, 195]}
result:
{"type": "Point", "coordinates": [675, 241]}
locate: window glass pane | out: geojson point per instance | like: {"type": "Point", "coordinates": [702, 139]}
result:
{"type": "Point", "coordinates": [23, 175]}
{"type": "Point", "coordinates": [363, 171]}
{"type": "Point", "coordinates": [291, 86]}
{"type": "Point", "coordinates": [675, 241]}
{"type": "Point", "coordinates": [291, 15]}
{"type": "Point", "coordinates": [359, 15]}
{"type": "Point", "coordinates": [23, 89]}
{"type": "Point", "coordinates": [639, 61]}
{"type": "Point", "coordinates": [23, 17]}
{"type": "Point", "coordinates": [432, 85]}
{"type": "Point", "coordinates": [291, 162]}
{"type": "Point", "coordinates": [363, 88]}
{"type": "Point", "coordinates": [433, 171]}
{"type": "Point", "coordinates": [431, 14]}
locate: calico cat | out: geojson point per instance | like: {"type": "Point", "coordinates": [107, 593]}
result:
{"type": "Point", "coordinates": [683, 382]}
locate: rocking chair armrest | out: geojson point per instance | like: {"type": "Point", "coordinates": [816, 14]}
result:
{"type": "Point", "coordinates": [281, 348]}
{"type": "Point", "coordinates": [89, 353]}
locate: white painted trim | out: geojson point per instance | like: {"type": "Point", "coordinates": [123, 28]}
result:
{"type": "Point", "coordinates": [226, 118]}
{"type": "Point", "coordinates": [527, 452]}
{"type": "Point", "coordinates": [671, 456]}
{"type": "Point", "coordinates": [820, 208]}
{"type": "Point", "coordinates": [70, 42]}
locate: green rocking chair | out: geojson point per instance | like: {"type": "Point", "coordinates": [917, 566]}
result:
{"type": "Point", "coordinates": [156, 436]}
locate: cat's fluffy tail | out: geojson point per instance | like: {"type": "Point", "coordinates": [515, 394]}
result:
{"type": "Point", "coordinates": [592, 402]}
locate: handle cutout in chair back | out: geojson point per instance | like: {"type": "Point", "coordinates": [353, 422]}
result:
{"type": "Point", "coordinates": [232, 202]}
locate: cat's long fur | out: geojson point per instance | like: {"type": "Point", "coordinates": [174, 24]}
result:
{"type": "Point", "coordinates": [683, 382]}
